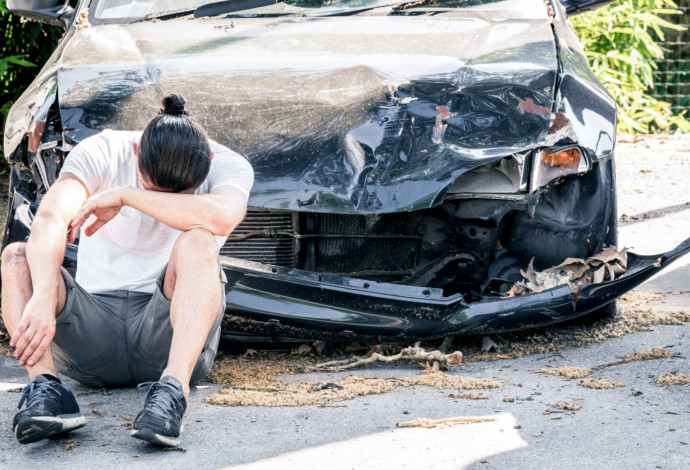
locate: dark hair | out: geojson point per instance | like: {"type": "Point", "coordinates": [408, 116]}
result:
{"type": "Point", "coordinates": [174, 153]}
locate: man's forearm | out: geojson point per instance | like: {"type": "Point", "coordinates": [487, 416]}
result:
{"type": "Point", "coordinates": [45, 251]}
{"type": "Point", "coordinates": [186, 211]}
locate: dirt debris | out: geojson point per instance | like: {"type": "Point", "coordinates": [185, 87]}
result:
{"type": "Point", "coordinates": [83, 20]}
{"type": "Point", "coordinates": [636, 315]}
{"type": "Point", "coordinates": [568, 405]}
{"type": "Point", "coordinates": [444, 422]}
{"type": "Point", "coordinates": [258, 371]}
{"type": "Point", "coordinates": [301, 394]}
{"type": "Point", "coordinates": [304, 394]}
{"type": "Point", "coordinates": [567, 372]}
{"type": "Point", "coordinates": [563, 406]}
{"type": "Point", "coordinates": [646, 355]}
{"type": "Point", "coordinates": [70, 445]}
{"type": "Point", "coordinates": [599, 384]}
{"type": "Point", "coordinates": [469, 396]}
{"type": "Point", "coordinates": [262, 369]}
{"type": "Point", "coordinates": [672, 379]}
{"type": "Point", "coordinates": [444, 381]}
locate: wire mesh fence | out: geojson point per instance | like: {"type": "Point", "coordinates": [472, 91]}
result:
{"type": "Point", "coordinates": [672, 78]}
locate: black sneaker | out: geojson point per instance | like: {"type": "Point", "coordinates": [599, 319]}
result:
{"type": "Point", "coordinates": [160, 422]}
{"type": "Point", "coordinates": [50, 409]}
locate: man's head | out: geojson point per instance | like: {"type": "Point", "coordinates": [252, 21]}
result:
{"type": "Point", "coordinates": [174, 154]}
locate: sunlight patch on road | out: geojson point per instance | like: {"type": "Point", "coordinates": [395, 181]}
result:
{"type": "Point", "coordinates": [452, 447]}
{"type": "Point", "coordinates": [4, 386]}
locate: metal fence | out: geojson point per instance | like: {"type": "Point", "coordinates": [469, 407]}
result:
{"type": "Point", "coordinates": [672, 78]}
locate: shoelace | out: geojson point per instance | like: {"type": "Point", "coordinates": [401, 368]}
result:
{"type": "Point", "coordinates": [162, 399]}
{"type": "Point", "coordinates": [35, 392]}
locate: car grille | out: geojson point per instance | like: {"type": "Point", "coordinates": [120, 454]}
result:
{"type": "Point", "coordinates": [264, 237]}
{"type": "Point", "coordinates": [381, 247]}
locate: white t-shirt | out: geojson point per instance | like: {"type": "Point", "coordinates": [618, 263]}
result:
{"type": "Point", "coordinates": [130, 251]}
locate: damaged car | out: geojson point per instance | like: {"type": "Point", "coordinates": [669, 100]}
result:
{"type": "Point", "coordinates": [422, 169]}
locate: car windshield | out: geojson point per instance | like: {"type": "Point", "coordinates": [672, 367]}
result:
{"type": "Point", "coordinates": [109, 10]}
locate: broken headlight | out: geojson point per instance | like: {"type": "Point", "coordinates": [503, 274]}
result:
{"type": "Point", "coordinates": [500, 177]}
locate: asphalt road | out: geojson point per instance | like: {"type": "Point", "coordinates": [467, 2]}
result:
{"type": "Point", "coordinates": [638, 426]}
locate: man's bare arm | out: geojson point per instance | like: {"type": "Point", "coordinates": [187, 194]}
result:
{"type": "Point", "coordinates": [45, 250]}
{"type": "Point", "coordinates": [218, 212]}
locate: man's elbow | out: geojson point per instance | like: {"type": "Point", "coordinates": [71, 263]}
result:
{"type": "Point", "coordinates": [225, 223]}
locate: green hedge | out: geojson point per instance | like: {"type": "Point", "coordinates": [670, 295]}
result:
{"type": "Point", "coordinates": [25, 46]}
{"type": "Point", "coordinates": [621, 43]}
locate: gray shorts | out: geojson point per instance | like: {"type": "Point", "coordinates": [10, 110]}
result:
{"type": "Point", "coordinates": [121, 338]}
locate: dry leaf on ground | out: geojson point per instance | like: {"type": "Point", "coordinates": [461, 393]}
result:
{"type": "Point", "coordinates": [568, 405]}
{"type": "Point", "coordinates": [606, 265]}
{"type": "Point", "coordinates": [600, 384]}
{"type": "Point", "coordinates": [671, 379]}
{"type": "Point", "coordinates": [567, 372]}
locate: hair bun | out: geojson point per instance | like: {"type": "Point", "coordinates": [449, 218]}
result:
{"type": "Point", "coordinates": [173, 104]}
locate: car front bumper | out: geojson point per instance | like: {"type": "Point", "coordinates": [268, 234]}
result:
{"type": "Point", "coordinates": [278, 301]}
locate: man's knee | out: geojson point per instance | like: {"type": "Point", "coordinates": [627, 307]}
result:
{"type": "Point", "coordinates": [196, 244]}
{"type": "Point", "coordinates": [14, 255]}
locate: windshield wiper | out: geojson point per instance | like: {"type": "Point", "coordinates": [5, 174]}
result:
{"type": "Point", "coordinates": [230, 6]}
{"type": "Point", "coordinates": [209, 9]}
{"type": "Point", "coordinates": [167, 15]}
{"type": "Point", "coordinates": [394, 5]}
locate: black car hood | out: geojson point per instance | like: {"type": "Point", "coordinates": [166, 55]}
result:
{"type": "Point", "coordinates": [361, 114]}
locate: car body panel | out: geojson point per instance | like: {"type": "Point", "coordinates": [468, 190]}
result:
{"type": "Point", "coordinates": [414, 115]}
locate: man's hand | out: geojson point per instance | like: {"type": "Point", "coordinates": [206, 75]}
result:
{"type": "Point", "coordinates": [35, 331]}
{"type": "Point", "coordinates": [104, 206]}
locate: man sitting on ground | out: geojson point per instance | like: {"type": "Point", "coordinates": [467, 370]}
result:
{"type": "Point", "coordinates": [149, 297]}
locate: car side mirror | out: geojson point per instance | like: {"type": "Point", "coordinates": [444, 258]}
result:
{"type": "Point", "coordinates": [575, 7]}
{"type": "Point", "coordinates": [47, 11]}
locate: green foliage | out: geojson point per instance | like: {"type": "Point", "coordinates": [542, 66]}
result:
{"type": "Point", "coordinates": [621, 45]}
{"type": "Point", "coordinates": [24, 47]}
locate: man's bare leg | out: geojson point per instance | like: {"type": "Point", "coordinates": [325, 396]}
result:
{"type": "Point", "coordinates": [16, 291]}
{"type": "Point", "coordinates": [192, 285]}
{"type": "Point", "coordinates": [50, 408]}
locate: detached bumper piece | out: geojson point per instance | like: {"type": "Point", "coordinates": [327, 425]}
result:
{"type": "Point", "coordinates": [266, 297]}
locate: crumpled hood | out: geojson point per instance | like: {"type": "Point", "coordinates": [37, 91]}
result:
{"type": "Point", "coordinates": [359, 114]}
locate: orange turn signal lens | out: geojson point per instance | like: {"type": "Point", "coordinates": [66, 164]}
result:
{"type": "Point", "coordinates": [552, 163]}
{"type": "Point", "coordinates": [564, 158]}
